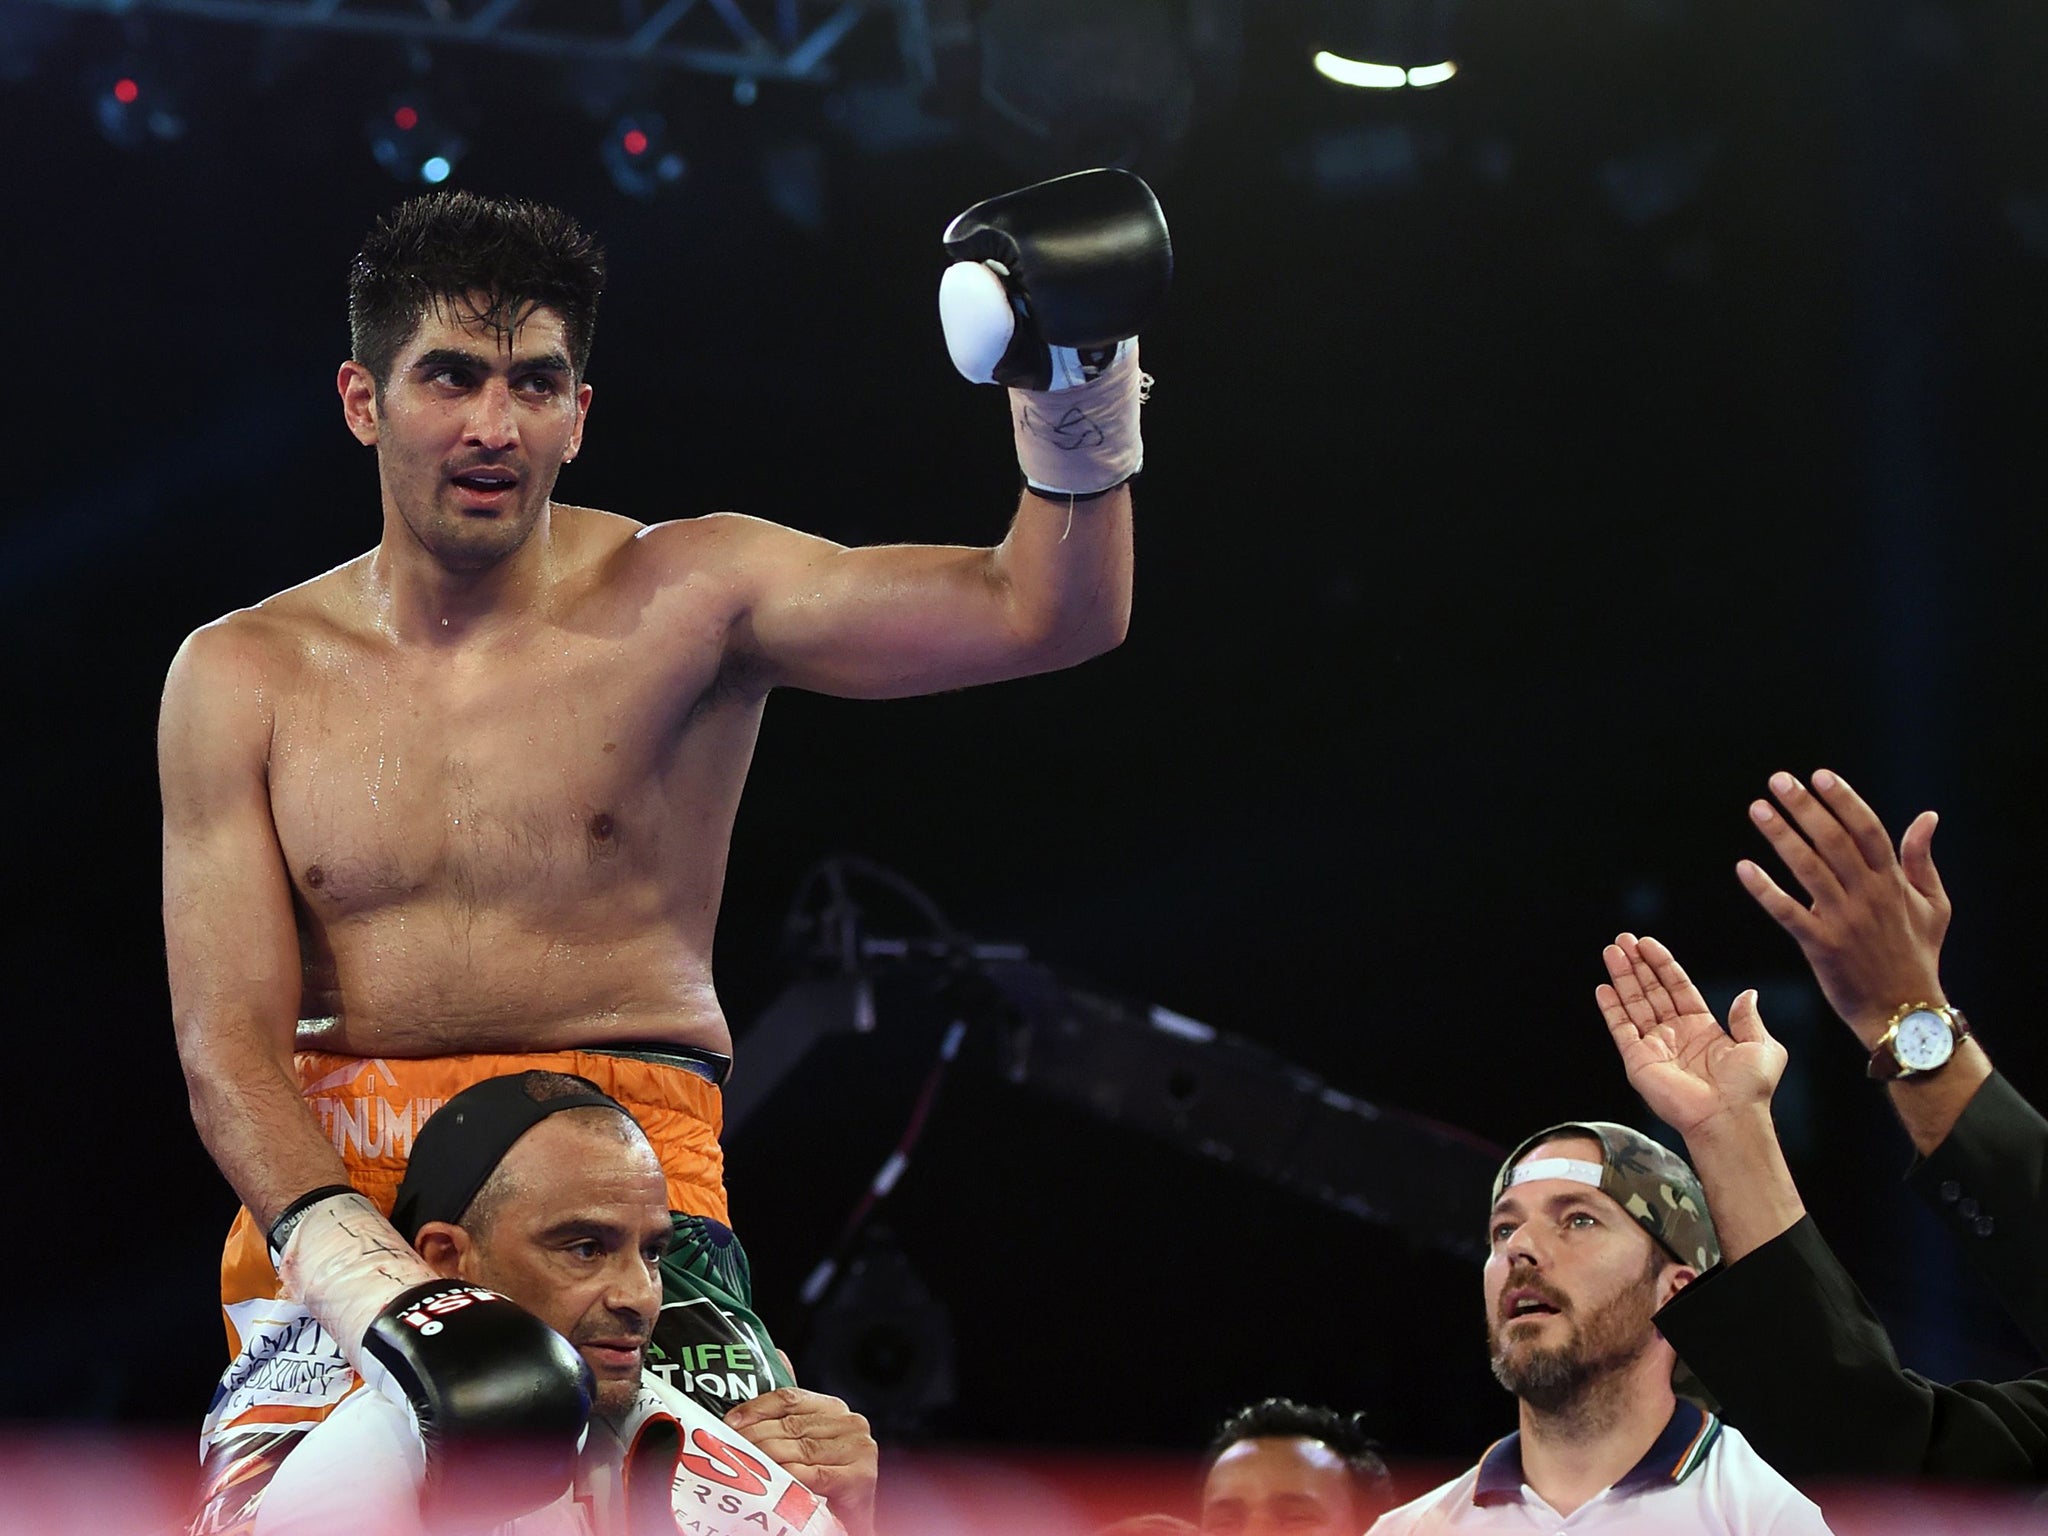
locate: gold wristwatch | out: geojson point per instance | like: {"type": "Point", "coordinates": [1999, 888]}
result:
{"type": "Point", "coordinates": [1918, 1040]}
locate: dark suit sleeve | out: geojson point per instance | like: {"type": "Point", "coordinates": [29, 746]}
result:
{"type": "Point", "coordinates": [1800, 1364]}
{"type": "Point", "coordinates": [1988, 1182]}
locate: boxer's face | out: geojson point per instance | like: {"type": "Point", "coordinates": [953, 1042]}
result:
{"type": "Point", "coordinates": [471, 429]}
{"type": "Point", "coordinates": [1279, 1483]}
{"type": "Point", "coordinates": [1571, 1284]}
{"type": "Point", "coordinates": [577, 1240]}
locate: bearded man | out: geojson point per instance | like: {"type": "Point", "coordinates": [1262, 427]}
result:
{"type": "Point", "coordinates": [1594, 1227]}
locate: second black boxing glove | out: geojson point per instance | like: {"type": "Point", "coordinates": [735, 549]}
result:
{"type": "Point", "coordinates": [501, 1399]}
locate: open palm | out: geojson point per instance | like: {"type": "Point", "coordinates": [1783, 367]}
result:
{"type": "Point", "coordinates": [1678, 1057]}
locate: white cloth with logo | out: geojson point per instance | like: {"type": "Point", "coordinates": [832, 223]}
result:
{"type": "Point", "coordinates": [362, 1469]}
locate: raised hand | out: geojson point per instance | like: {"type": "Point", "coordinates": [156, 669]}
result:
{"type": "Point", "coordinates": [1688, 1069]}
{"type": "Point", "coordinates": [1873, 923]}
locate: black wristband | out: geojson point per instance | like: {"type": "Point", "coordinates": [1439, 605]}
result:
{"type": "Point", "coordinates": [281, 1229]}
{"type": "Point", "coordinates": [1075, 498]}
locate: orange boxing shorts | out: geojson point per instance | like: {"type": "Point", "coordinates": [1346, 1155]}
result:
{"type": "Point", "coordinates": [372, 1106]}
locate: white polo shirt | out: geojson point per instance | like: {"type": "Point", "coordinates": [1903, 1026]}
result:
{"type": "Point", "coordinates": [1699, 1476]}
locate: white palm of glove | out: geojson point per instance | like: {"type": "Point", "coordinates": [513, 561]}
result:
{"type": "Point", "coordinates": [1080, 435]}
{"type": "Point", "coordinates": [980, 323]}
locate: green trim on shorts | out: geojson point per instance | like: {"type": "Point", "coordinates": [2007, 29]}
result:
{"type": "Point", "coordinates": [709, 1343]}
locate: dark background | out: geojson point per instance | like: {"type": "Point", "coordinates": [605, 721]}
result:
{"type": "Point", "coordinates": [1535, 464]}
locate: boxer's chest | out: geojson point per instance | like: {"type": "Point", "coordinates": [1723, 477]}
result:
{"type": "Point", "coordinates": [531, 773]}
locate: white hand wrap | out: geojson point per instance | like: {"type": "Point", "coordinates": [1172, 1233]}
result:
{"type": "Point", "coordinates": [1079, 437]}
{"type": "Point", "coordinates": [343, 1263]}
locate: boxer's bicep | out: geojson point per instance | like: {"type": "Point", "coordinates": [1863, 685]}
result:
{"type": "Point", "coordinates": [228, 924]}
{"type": "Point", "coordinates": [896, 620]}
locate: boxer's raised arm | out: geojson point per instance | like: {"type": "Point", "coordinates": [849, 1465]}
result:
{"type": "Point", "coordinates": [1046, 292]}
{"type": "Point", "coordinates": [895, 620]}
{"type": "Point", "coordinates": [228, 929]}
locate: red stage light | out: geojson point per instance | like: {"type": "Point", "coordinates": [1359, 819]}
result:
{"type": "Point", "coordinates": [126, 90]}
{"type": "Point", "coordinates": [406, 118]}
{"type": "Point", "coordinates": [635, 142]}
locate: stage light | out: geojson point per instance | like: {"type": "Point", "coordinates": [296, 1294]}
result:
{"type": "Point", "coordinates": [1381, 77]}
{"type": "Point", "coordinates": [1383, 45]}
{"type": "Point", "coordinates": [638, 157]}
{"type": "Point", "coordinates": [135, 105]}
{"type": "Point", "coordinates": [413, 141]}
{"type": "Point", "coordinates": [882, 1340]}
{"type": "Point", "coordinates": [1366, 76]}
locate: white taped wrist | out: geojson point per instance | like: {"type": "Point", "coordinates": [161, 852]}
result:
{"type": "Point", "coordinates": [1078, 440]}
{"type": "Point", "coordinates": [344, 1263]}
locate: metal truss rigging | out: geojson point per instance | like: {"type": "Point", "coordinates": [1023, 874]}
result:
{"type": "Point", "coordinates": [791, 40]}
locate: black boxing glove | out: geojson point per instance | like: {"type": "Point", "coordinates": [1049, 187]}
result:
{"type": "Point", "coordinates": [501, 1399]}
{"type": "Point", "coordinates": [1048, 289]}
{"type": "Point", "coordinates": [1084, 262]}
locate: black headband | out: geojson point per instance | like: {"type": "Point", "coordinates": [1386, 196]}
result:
{"type": "Point", "coordinates": [462, 1143]}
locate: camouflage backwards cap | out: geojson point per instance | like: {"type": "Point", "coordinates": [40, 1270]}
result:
{"type": "Point", "coordinates": [1645, 1178]}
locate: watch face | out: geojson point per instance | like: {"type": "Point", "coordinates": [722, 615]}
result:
{"type": "Point", "coordinates": [1923, 1041]}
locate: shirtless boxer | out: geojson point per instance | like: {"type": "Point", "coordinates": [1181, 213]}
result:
{"type": "Point", "coordinates": [461, 806]}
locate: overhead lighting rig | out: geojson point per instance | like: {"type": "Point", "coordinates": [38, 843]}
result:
{"type": "Point", "coordinates": [748, 40]}
{"type": "Point", "coordinates": [135, 104]}
{"type": "Point", "coordinates": [413, 141]}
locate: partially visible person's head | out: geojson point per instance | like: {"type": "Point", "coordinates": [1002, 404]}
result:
{"type": "Point", "coordinates": [1594, 1227]}
{"type": "Point", "coordinates": [1284, 1466]}
{"type": "Point", "coordinates": [489, 262]}
{"type": "Point", "coordinates": [540, 1186]}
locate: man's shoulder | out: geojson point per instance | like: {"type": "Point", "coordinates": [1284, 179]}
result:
{"type": "Point", "coordinates": [270, 634]}
{"type": "Point", "coordinates": [1749, 1493]}
{"type": "Point", "coordinates": [1433, 1511]}
{"type": "Point", "coordinates": [720, 556]}
{"type": "Point", "coordinates": [705, 535]}
{"type": "Point", "coordinates": [613, 546]}
{"type": "Point", "coordinates": [1734, 1461]}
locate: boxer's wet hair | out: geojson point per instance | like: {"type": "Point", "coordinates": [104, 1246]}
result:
{"type": "Point", "coordinates": [1282, 1418]}
{"type": "Point", "coordinates": [491, 261]}
{"type": "Point", "coordinates": [454, 1173]}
